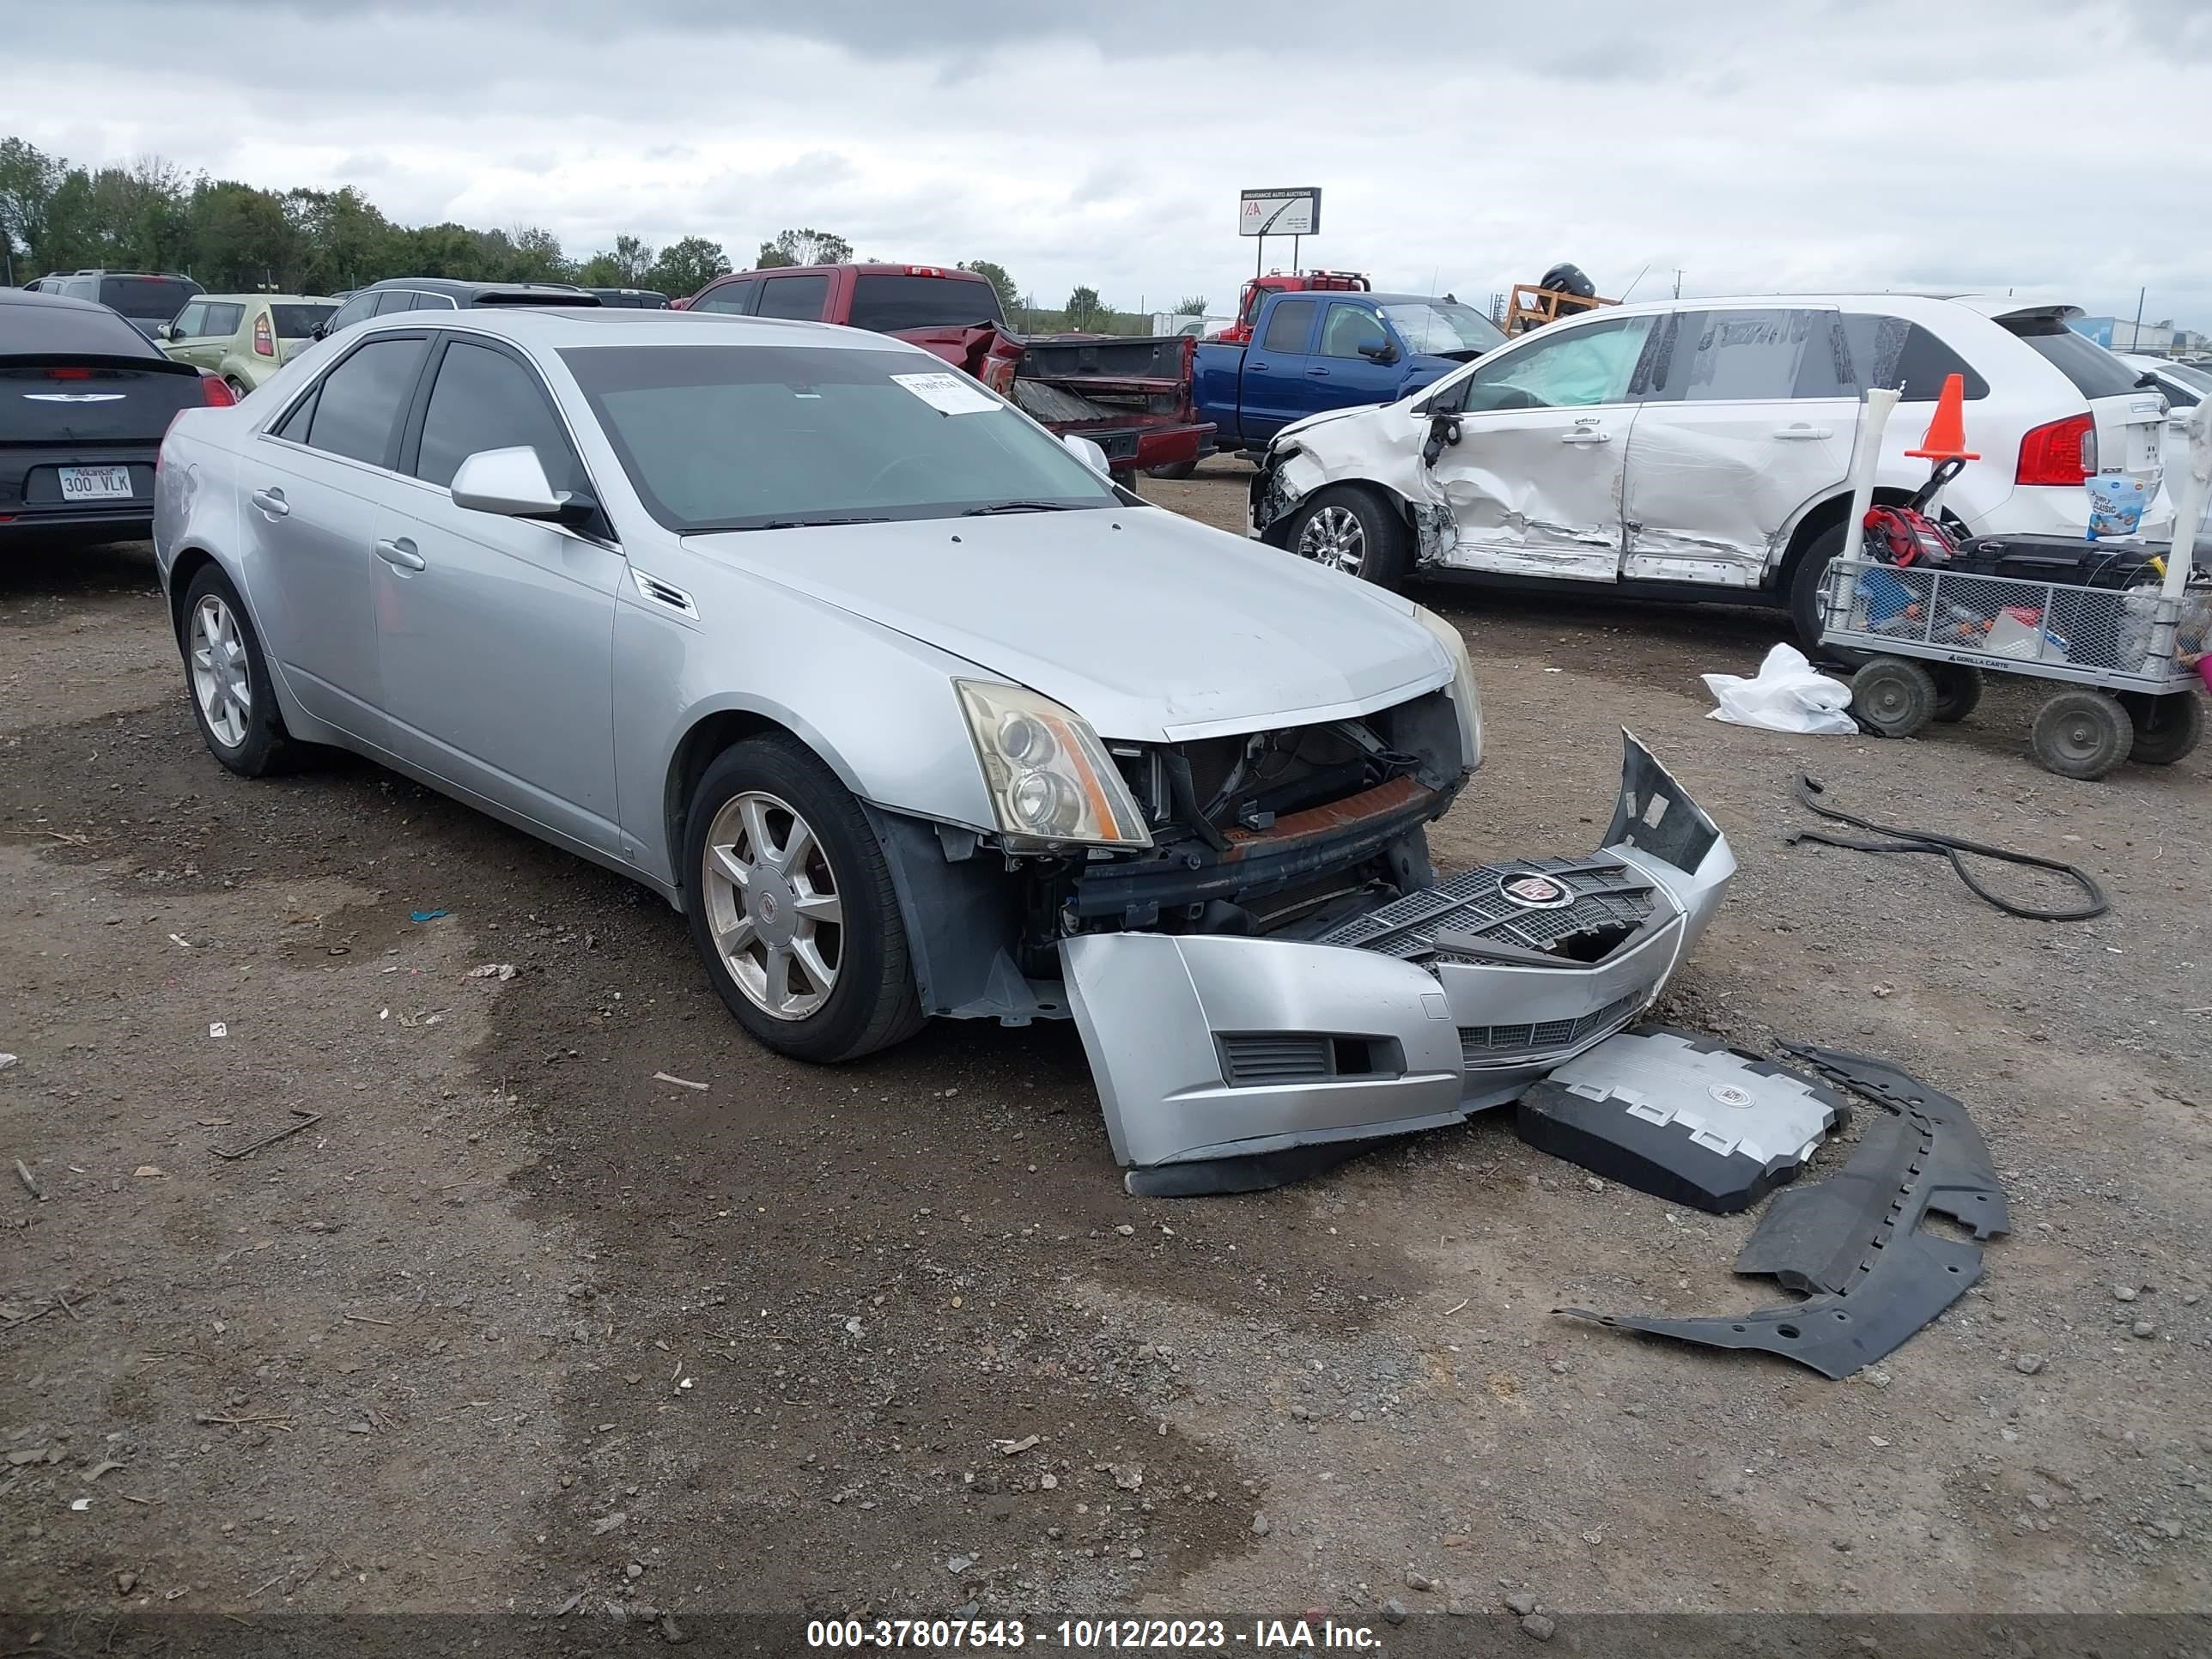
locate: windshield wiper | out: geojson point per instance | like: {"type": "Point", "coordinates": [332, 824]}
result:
{"type": "Point", "coordinates": [788, 523]}
{"type": "Point", "coordinates": [989, 507]}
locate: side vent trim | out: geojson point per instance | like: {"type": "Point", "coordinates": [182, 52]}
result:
{"type": "Point", "coordinates": [666, 593]}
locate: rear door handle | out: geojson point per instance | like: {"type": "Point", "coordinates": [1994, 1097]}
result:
{"type": "Point", "coordinates": [1800, 430]}
{"type": "Point", "coordinates": [402, 553]}
{"type": "Point", "coordinates": [1586, 435]}
{"type": "Point", "coordinates": [1319, 372]}
{"type": "Point", "coordinates": [272, 502]}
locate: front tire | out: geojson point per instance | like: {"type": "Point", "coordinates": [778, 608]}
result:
{"type": "Point", "coordinates": [1353, 529]}
{"type": "Point", "coordinates": [229, 679]}
{"type": "Point", "coordinates": [793, 910]}
{"type": "Point", "coordinates": [1893, 697]}
{"type": "Point", "coordinates": [1173, 470]}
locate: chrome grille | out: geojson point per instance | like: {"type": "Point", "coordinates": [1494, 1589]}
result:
{"type": "Point", "coordinates": [1608, 896]}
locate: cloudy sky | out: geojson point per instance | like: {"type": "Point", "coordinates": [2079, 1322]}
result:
{"type": "Point", "coordinates": [2056, 149]}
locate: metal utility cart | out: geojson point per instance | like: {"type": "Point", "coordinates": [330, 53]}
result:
{"type": "Point", "coordinates": [2120, 693]}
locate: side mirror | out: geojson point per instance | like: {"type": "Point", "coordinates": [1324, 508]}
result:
{"type": "Point", "coordinates": [1089, 453]}
{"type": "Point", "coordinates": [512, 482]}
{"type": "Point", "coordinates": [1376, 349]}
{"type": "Point", "coordinates": [168, 331]}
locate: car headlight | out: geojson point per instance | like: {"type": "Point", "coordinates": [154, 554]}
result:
{"type": "Point", "coordinates": [1050, 779]}
{"type": "Point", "coordinates": [1465, 698]}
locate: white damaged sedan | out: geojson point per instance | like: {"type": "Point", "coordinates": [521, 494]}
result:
{"type": "Point", "coordinates": [911, 712]}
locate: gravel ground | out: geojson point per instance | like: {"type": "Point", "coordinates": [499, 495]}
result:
{"type": "Point", "coordinates": [508, 1323]}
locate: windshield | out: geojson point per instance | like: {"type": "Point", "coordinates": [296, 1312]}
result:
{"type": "Point", "coordinates": [1441, 328]}
{"type": "Point", "coordinates": [889, 303]}
{"type": "Point", "coordinates": [298, 322]}
{"type": "Point", "coordinates": [742, 437]}
{"type": "Point", "coordinates": [146, 298]}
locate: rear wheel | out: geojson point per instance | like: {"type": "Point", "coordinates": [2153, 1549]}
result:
{"type": "Point", "coordinates": [2081, 733]}
{"type": "Point", "coordinates": [1805, 584]}
{"type": "Point", "coordinates": [238, 387]}
{"type": "Point", "coordinates": [1958, 690]}
{"type": "Point", "coordinates": [228, 676]}
{"type": "Point", "coordinates": [2166, 728]}
{"type": "Point", "coordinates": [1893, 698]}
{"type": "Point", "coordinates": [1353, 529]}
{"type": "Point", "coordinates": [1174, 469]}
{"type": "Point", "coordinates": [792, 908]}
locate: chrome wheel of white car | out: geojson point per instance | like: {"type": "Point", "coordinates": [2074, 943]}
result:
{"type": "Point", "coordinates": [773, 906]}
{"type": "Point", "coordinates": [1332, 536]}
{"type": "Point", "coordinates": [221, 680]}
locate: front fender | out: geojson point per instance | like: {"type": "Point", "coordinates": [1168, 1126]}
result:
{"type": "Point", "coordinates": [877, 707]}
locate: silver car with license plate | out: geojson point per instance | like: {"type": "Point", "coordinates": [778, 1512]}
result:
{"type": "Point", "coordinates": [910, 711]}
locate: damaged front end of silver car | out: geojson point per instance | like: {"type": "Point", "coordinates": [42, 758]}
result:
{"type": "Point", "coordinates": [1230, 1063]}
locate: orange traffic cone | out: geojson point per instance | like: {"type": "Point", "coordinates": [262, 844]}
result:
{"type": "Point", "coordinates": [1946, 437]}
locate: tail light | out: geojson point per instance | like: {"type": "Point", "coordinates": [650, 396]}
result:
{"type": "Point", "coordinates": [2061, 452]}
{"type": "Point", "coordinates": [216, 392]}
{"type": "Point", "coordinates": [265, 342]}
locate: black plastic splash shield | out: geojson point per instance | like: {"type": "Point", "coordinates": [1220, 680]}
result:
{"type": "Point", "coordinates": [1854, 1244]}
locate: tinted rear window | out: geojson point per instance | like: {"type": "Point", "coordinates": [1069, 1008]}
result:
{"type": "Point", "coordinates": [887, 302]}
{"type": "Point", "coordinates": [149, 299]}
{"type": "Point", "coordinates": [66, 330]}
{"type": "Point", "coordinates": [2094, 371]}
{"type": "Point", "coordinates": [298, 322]}
{"type": "Point", "coordinates": [1905, 357]}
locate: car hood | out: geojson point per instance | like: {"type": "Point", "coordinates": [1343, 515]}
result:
{"type": "Point", "coordinates": [1307, 423]}
{"type": "Point", "coordinates": [1152, 628]}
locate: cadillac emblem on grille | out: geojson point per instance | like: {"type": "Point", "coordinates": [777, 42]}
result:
{"type": "Point", "coordinates": [1534, 892]}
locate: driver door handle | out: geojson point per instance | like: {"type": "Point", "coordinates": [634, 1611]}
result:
{"type": "Point", "coordinates": [1318, 371]}
{"type": "Point", "coordinates": [272, 502]}
{"type": "Point", "coordinates": [1586, 435]}
{"type": "Point", "coordinates": [402, 553]}
{"type": "Point", "coordinates": [1800, 430]}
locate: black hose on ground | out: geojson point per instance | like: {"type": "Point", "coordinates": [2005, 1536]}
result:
{"type": "Point", "coordinates": [1812, 793]}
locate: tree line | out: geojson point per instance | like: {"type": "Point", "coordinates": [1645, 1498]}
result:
{"type": "Point", "coordinates": [233, 237]}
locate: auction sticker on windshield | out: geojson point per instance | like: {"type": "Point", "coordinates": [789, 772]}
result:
{"type": "Point", "coordinates": [948, 393]}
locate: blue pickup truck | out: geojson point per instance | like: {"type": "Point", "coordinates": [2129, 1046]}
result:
{"type": "Point", "coordinates": [1311, 352]}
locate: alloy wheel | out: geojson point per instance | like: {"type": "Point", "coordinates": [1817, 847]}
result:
{"type": "Point", "coordinates": [221, 682]}
{"type": "Point", "coordinates": [1333, 536]}
{"type": "Point", "coordinates": [773, 905]}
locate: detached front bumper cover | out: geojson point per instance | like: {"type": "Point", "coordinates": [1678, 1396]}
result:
{"type": "Point", "coordinates": [1226, 1062]}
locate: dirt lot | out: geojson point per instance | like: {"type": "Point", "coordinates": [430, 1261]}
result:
{"type": "Point", "coordinates": [510, 1324]}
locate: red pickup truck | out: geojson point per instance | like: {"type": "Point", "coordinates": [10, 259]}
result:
{"type": "Point", "coordinates": [1130, 397]}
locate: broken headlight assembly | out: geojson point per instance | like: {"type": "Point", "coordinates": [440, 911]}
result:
{"type": "Point", "coordinates": [1050, 781]}
{"type": "Point", "coordinates": [1465, 698]}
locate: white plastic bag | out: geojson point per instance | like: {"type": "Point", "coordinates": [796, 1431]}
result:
{"type": "Point", "coordinates": [1788, 696]}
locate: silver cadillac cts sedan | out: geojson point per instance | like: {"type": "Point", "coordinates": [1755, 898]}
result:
{"type": "Point", "coordinates": [910, 711]}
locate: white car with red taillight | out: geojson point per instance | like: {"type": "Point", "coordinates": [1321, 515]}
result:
{"type": "Point", "coordinates": [1702, 448]}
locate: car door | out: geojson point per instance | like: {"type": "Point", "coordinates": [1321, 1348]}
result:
{"type": "Point", "coordinates": [496, 633]}
{"type": "Point", "coordinates": [1271, 387]}
{"type": "Point", "coordinates": [221, 327]}
{"type": "Point", "coordinates": [186, 329]}
{"type": "Point", "coordinates": [1745, 415]}
{"type": "Point", "coordinates": [1341, 375]}
{"type": "Point", "coordinates": [318, 481]}
{"type": "Point", "coordinates": [1533, 481]}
